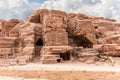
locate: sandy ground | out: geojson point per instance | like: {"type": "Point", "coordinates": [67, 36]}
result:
{"type": "Point", "coordinates": [66, 66]}
{"type": "Point", "coordinates": [47, 71]}
{"type": "Point", "coordinates": [18, 78]}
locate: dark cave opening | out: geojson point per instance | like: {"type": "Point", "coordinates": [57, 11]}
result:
{"type": "Point", "coordinates": [86, 43]}
{"type": "Point", "coordinates": [78, 41]}
{"type": "Point", "coordinates": [65, 56]}
{"type": "Point", "coordinates": [39, 42]}
{"type": "Point", "coordinates": [38, 45]}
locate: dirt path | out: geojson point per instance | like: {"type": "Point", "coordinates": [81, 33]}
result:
{"type": "Point", "coordinates": [18, 78]}
{"type": "Point", "coordinates": [61, 71]}
{"type": "Point", "coordinates": [66, 66]}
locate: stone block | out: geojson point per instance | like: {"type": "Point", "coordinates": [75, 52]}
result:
{"type": "Point", "coordinates": [110, 49]}
{"type": "Point", "coordinates": [28, 50]}
{"type": "Point", "coordinates": [18, 49]}
{"type": "Point", "coordinates": [6, 51]}
{"type": "Point", "coordinates": [55, 49]}
{"type": "Point", "coordinates": [56, 38]}
{"type": "Point", "coordinates": [28, 58]}
{"type": "Point", "coordinates": [50, 59]}
{"type": "Point", "coordinates": [22, 62]}
{"type": "Point", "coordinates": [54, 21]}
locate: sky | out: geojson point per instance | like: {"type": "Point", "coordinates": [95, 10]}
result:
{"type": "Point", "coordinates": [23, 8]}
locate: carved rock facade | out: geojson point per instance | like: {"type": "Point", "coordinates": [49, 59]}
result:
{"type": "Point", "coordinates": [53, 36]}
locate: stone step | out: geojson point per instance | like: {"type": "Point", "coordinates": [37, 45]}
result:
{"type": "Point", "coordinates": [51, 56]}
{"type": "Point", "coordinates": [45, 58]}
{"type": "Point", "coordinates": [51, 61]}
{"type": "Point", "coordinates": [89, 50]}
{"type": "Point", "coordinates": [22, 62]}
{"type": "Point", "coordinates": [48, 61]}
{"type": "Point", "coordinates": [88, 54]}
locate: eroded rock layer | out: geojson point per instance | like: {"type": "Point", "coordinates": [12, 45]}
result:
{"type": "Point", "coordinates": [56, 36]}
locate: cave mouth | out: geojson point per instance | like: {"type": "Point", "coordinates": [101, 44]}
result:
{"type": "Point", "coordinates": [86, 43]}
{"type": "Point", "coordinates": [39, 42]}
{"type": "Point", "coordinates": [81, 41]}
{"type": "Point", "coordinates": [38, 46]}
{"type": "Point", "coordinates": [65, 56]}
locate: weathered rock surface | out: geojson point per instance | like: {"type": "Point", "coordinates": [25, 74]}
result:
{"type": "Point", "coordinates": [45, 28]}
{"type": "Point", "coordinates": [110, 50]}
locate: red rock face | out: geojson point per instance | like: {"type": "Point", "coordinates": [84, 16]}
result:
{"type": "Point", "coordinates": [78, 26]}
{"type": "Point", "coordinates": [56, 28]}
{"type": "Point", "coordinates": [8, 25]}
{"type": "Point", "coordinates": [37, 17]}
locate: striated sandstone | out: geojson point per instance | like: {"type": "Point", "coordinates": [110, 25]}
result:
{"type": "Point", "coordinates": [45, 28]}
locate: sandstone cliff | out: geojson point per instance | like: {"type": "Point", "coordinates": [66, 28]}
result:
{"type": "Point", "coordinates": [56, 28]}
